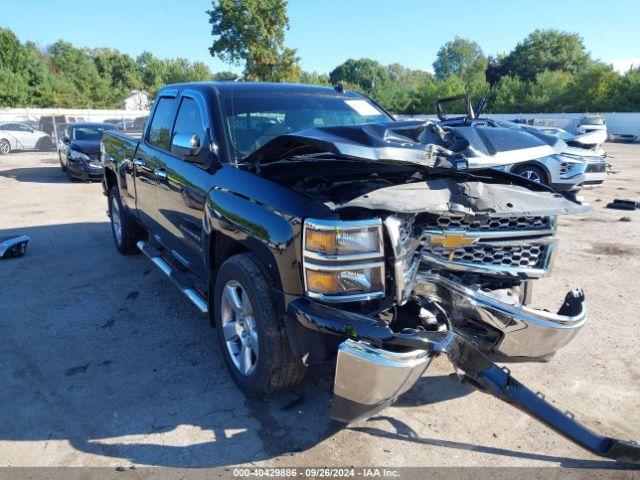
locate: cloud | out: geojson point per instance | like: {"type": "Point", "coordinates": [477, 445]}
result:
{"type": "Point", "coordinates": [623, 65]}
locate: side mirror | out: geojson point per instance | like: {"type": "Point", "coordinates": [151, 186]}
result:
{"type": "Point", "coordinates": [188, 146]}
{"type": "Point", "coordinates": [66, 140]}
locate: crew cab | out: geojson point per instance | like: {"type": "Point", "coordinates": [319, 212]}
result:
{"type": "Point", "coordinates": [308, 223]}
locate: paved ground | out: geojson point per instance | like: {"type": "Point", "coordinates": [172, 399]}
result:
{"type": "Point", "coordinates": [103, 362]}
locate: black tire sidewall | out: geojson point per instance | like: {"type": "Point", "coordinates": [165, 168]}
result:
{"type": "Point", "coordinates": [125, 245]}
{"type": "Point", "coordinates": [264, 314]}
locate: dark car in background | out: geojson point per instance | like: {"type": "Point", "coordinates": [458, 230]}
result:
{"type": "Point", "coordinates": [80, 150]}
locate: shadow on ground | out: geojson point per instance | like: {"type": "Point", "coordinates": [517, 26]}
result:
{"type": "Point", "coordinates": [44, 174]}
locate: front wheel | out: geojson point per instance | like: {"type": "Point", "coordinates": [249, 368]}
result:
{"type": "Point", "coordinates": [533, 173]}
{"type": "Point", "coordinates": [126, 232]}
{"type": "Point", "coordinates": [251, 335]}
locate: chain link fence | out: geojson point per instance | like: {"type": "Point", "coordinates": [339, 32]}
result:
{"type": "Point", "coordinates": [42, 130]}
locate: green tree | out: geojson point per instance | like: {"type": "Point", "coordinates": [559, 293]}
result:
{"type": "Point", "coordinates": [364, 72]}
{"type": "Point", "coordinates": [628, 97]}
{"type": "Point", "coordinates": [77, 66]}
{"type": "Point", "coordinates": [12, 53]}
{"type": "Point", "coordinates": [152, 72]}
{"type": "Point", "coordinates": [596, 89]}
{"type": "Point", "coordinates": [546, 50]}
{"type": "Point", "coordinates": [252, 32]}
{"type": "Point", "coordinates": [509, 96]}
{"type": "Point", "coordinates": [14, 91]}
{"type": "Point", "coordinates": [551, 92]}
{"type": "Point", "coordinates": [460, 57]}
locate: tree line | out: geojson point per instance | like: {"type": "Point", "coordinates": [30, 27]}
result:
{"type": "Point", "coordinates": [548, 71]}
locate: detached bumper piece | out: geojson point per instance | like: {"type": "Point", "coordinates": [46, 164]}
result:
{"type": "Point", "coordinates": [13, 247]}
{"type": "Point", "coordinates": [369, 379]}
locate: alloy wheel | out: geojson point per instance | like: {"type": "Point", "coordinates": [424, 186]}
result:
{"type": "Point", "coordinates": [239, 327]}
{"type": "Point", "coordinates": [5, 148]}
{"type": "Point", "coordinates": [531, 175]}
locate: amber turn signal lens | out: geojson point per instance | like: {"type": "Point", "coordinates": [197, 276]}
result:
{"type": "Point", "coordinates": [321, 241]}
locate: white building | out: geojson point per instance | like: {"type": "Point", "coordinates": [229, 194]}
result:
{"type": "Point", "coordinates": [137, 100]}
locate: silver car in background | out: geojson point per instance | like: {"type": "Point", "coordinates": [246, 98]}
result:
{"type": "Point", "coordinates": [20, 136]}
{"type": "Point", "coordinates": [571, 170]}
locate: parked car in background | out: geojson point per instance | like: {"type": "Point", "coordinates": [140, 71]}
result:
{"type": "Point", "coordinates": [20, 136]}
{"type": "Point", "coordinates": [570, 170]}
{"type": "Point", "coordinates": [590, 123]}
{"type": "Point", "coordinates": [80, 151]}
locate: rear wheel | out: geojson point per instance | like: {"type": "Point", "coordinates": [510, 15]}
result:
{"type": "Point", "coordinates": [251, 335]}
{"type": "Point", "coordinates": [126, 232]}
{"type": "Point", "coordinates": [5, 147]}
{"type": "Point", "coordinates": [533, 173]}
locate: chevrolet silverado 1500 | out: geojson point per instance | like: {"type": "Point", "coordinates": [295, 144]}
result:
{"type": "Point", "coordinates": [306, 222]}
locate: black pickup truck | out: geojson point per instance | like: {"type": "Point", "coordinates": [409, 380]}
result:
{"type": "Point", "coordinates": [308, 223]}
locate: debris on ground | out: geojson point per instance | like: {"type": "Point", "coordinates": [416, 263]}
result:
{"type": "Point", "coordinates": [624, 204]}
{"type": "Point", "coordinates": [13, 247]}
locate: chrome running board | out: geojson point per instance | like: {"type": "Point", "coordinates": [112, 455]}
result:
{"type": "Point", "coordinates": [174, 275]}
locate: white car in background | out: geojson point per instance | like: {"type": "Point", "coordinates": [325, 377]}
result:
{"type": "Point", "coordinates": [19, 136]}
{"type": "Point", "coordinates": [575, 168]}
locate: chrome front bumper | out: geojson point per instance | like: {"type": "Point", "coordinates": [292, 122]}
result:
{"type": "Point", "coordinates": [526, 333]}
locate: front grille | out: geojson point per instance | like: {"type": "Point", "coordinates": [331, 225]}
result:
{"type": "Point", "coordinates": [486, 223]}
{"type": "Point", "coordinates": [597, 167]}
{"type": "Point", "coordinates": [491, 245]}
{"type": "Point", "coordinates": [512, 256]}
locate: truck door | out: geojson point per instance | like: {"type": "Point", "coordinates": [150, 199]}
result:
{"type": "Point", "coordinates": [183, 185]}
{"type": "Point", "coordinates": [153, 149]}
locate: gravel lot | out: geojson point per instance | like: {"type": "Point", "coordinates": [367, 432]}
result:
{"type": "Point", "coordinates": [104, 363]}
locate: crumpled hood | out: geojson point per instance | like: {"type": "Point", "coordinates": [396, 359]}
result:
{"type": "Point", "coordinates": [412, 142]}
{"type": "Point", "coordinates": [469, 197]}
{"type": "Point", "coordinates": [85, 146]}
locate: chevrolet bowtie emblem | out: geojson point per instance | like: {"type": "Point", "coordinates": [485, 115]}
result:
{"type": "Point", "coordinates": [453, 240]}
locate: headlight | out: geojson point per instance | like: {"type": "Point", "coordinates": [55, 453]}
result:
{"type": "Point", "coordinates": [76, 155]}
{"type": "Point", "coordinates": [343, 261]}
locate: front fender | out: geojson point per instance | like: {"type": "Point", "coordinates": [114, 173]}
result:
{"type": "Point", "coordinates": [268, 233]}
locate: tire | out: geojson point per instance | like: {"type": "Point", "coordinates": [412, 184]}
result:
{"type": "Point", "coordinates": [62, 165]}
{"type": "Point", "coordinates": [533, 172]}
{"type": "Point", "coordinates": [5, 147]}
{"type": "Point", "coordinates": [273, 366]}
{"type": "Point", "coordinates": [125, 230]}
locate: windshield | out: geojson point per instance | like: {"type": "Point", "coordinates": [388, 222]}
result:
{"type": "Point", "coordinates": [93, 133]}
{"type": "Point", "coordinates": [592, 121]}
{"type": "Point", "coordinates": [254, 120]}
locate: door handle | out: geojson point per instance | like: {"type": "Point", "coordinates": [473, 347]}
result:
{"type": "Point", "coordinates": [160, 173]}
{"type": "Point", "coordinates": [138, 162]}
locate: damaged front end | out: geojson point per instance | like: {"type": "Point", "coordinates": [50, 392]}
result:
{"type": "Point", "coordinates": [435, 262]}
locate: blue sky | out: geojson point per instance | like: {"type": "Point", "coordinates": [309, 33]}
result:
{"type": "Point", "coordinates": [327, 32]}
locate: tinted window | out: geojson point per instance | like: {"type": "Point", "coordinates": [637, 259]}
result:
{"type": "Point", "coordinates": [254, 120]}
{"type": "Point", "coordinates": [160, 130]}
{"type": "Point", "coordinates": [189, 119]}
